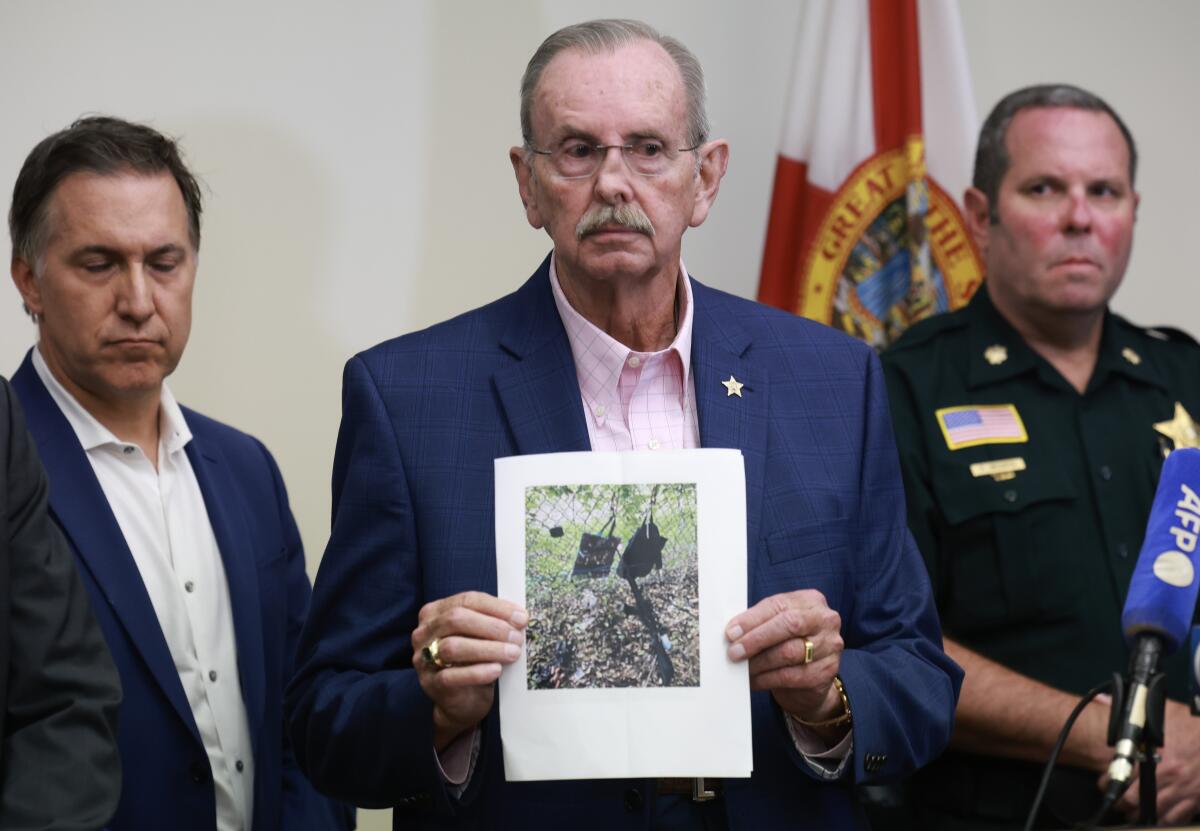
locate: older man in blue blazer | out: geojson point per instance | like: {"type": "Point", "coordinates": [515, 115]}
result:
{"type": "Point", "coordinates": [180, 524]}
{"type": "Point", "coordinates": [610, 345]}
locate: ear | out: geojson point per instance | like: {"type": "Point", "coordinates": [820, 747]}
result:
{"type": "Point", "coordinates": [526, 184]}
{"type": "Point", "coordinates": [978, 217]}
{"type": "Point", "coordinates": [27, 284]}
{"type": "Point", "coordinates": [714, 161]}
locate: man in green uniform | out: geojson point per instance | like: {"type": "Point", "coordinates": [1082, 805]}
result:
{"type": "Point", "coordinates": [1032, 426]}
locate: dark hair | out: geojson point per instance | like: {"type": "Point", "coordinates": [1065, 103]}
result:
{"type": "Point", "coordinates": [991, 156]}
{"type": "Point", "coordinates": [599, 36]}
{"type": "Point", "coordinates": [96, 144]}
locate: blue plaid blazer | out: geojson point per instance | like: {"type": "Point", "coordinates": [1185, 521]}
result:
{"type": "Point", "coordinates": [425, 415]}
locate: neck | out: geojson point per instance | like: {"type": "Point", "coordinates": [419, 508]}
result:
{"type": "Point", "coordinates": [131, 418]}
{"type": "Point", "coordinates": [641, 313]}
{"type": "Point", "coordinates": [1069, 342]}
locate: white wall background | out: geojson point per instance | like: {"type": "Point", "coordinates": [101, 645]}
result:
{"type": "Point", "coordinates": [359, 188]}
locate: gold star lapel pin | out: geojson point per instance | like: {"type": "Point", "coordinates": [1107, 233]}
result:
{"type": "Point", "coordinates": [995, 354]}
{"type": "Point", "coordinates": [733, 387]}
{"type": "Point", "coordinates": [1181, 429]}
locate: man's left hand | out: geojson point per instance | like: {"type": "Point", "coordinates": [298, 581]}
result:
{"type": "Point", "coordinates": [772, 634]}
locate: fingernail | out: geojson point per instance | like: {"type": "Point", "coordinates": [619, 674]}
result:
{"type": "Point", "coordinates": [519, 618]}
{"type": "Point", "coordinates": [516, 636]}
{"type": "Point", "coordinates": [511, 651]}
{"type": "Point", "coordinates": [733, 632]}
{"type": "Point", "coordinates": [737, 652]}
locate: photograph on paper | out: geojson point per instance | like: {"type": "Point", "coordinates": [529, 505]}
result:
{"type": "Point", "coordinates": [612, 586]}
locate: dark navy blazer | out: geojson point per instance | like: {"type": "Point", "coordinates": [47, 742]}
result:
{"type": "Point", "coordinates": [167, 781]}
{"type": "Point", "coordinates": [425, 415]}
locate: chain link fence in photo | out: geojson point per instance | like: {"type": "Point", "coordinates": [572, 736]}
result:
{"type": "Point", "coordinates": [611, 581]}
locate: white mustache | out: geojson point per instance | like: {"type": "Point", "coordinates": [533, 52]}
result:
{"type": "Point", "coordinates": [624, 215]}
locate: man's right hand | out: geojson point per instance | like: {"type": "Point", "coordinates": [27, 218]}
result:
{"type": "Point", "coordinates": [477, 635]}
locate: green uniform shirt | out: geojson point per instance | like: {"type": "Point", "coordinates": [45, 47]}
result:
{"type": "Point", "coordinates": [1031, 571]}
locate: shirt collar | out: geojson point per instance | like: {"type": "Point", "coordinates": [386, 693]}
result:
{"type": "Point", "coordinates": [172, 428]}
{"type": "Point", "coordinates": [1122, 352]}
{"type": "Point", "coordinates": [991, 336]}
{"type": "Point", "coordinates": [599, 369]}
{"type": "Point", "coordinates": [996, 351]}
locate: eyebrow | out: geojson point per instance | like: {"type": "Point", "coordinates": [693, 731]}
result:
{"type": "Point", "coordinates": [568, 131]}
{"type": "Point", "coordinates": [170, 248]}
{"type": "Point", "coordinates": [106, 251]}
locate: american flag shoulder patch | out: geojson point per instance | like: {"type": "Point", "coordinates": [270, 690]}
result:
{"type": "Point", "coordinates": [981, 424]}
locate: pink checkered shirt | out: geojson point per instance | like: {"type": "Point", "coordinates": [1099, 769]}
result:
{"type": "Point", "coordinates": [634, 400]}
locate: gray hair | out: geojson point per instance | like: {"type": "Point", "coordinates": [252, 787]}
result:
{"type": "Point", "coordinates": [991, 156]}
{"type": "Point", "coordinates": [598, 36]}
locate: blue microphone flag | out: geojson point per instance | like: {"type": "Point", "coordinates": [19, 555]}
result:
{"type": "Point", "coordinates": [1162, 593]}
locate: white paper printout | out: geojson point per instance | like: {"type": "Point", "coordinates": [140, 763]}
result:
{"type": "Point", "coordinates": [630, 564]}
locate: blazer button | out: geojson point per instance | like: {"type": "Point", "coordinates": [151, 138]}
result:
{"type": "Point", "coordinates": [633, 800]}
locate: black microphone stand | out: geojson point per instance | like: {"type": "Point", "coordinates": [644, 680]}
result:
{"type": "Point", "coordinates": [1148, 789]}
{"type": "Point", "coordinates": [1142, 672]}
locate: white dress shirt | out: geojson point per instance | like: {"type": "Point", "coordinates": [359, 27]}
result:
{"type": "Point", "coordinates": [166, 526]}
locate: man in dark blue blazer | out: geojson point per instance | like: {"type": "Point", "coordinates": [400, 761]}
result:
{"type": "Point", "coordinates": [393, 703]}
{"type": "Point", "coordinates": [180, 524]}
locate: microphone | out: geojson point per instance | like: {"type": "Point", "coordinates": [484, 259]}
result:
{"type": "Point", "coordinates": [1158, 612]}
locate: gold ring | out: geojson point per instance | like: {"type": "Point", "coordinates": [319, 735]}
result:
{"type": "Point", "coordinates": [808, 651]}
{"type": "Point", "coordinates": [430, 653]}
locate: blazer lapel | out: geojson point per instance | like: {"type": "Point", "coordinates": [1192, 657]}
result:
{"type": "Point", "coordinates": [224, 501]}
{"type": "Point", "coordinates": [82, 511]}
{"type": "Point", "coordinates": [539, 393]}
{"type": "Point", "coordinates": [721, 352]}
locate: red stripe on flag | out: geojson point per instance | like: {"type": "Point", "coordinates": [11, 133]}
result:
{"type": "Point", "coordinates": [896, 72]}
{"type": "Point", "coordinates": [796, 211]}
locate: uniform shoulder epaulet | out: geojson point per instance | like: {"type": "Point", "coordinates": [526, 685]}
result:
{"type": "Point", "coordinates": [1163, 334]}
{"type": "Point", "coordinates": [925, 330]}
{"type": "Point", "coordinates": [1170, 334]}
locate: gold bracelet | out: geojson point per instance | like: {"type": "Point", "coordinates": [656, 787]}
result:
{"type": "Point", "coordinates": [844, 718]}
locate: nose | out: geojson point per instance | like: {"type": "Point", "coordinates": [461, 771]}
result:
{"type": "Point", "coordinates": [1078, 218]}
{"type": "Point", "coordinates": [135, 294]}
{"type": "Point", "coordinates": [613, 178]}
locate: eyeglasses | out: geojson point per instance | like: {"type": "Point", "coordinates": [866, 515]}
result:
{"type": "Point", "coordinates": [575, 159]}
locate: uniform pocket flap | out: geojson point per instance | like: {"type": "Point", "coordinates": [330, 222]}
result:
{"type": "Point", "coordinates": [962, 496]}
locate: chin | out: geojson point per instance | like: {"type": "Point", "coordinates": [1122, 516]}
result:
{"type": "Point", "coordinates": [615, 264]}
{"type": "Point", "coordinates": [134, 381]}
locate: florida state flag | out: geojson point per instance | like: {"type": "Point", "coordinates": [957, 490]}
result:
{"type": "Point", "coordinates": [865, 232]}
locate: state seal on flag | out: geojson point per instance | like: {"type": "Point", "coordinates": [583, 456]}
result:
{"type": "Point", "coordinates": [891, 249]}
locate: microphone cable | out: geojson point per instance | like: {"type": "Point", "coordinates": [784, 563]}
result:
{"type": "Point", "coordinates": [1058, 746]}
